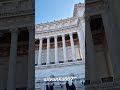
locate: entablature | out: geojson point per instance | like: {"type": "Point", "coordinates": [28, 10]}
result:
{"type": "Point", "coordinates": [94, 7]}
{"type": "Point", "coordinates": [57, 32]}
{"type": "Point", "coordinates": [56, 25]}
{"type": "Point", "coordinates": [15, 7]}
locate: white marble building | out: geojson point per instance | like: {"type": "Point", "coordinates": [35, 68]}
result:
{"type": "Point", "coordinates": [60, 50]}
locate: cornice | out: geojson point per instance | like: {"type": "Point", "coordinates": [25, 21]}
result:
{"type": "Point", "coordinates": [56, 25]}
{"type": "Point", "coordinates": [57, 32]}
{"type": "Point", "coordinates": [13, 14]}
{"type": "Point", "coordinates": [56, 22]}
{"type": "Point", "coordinates": [57, 29]}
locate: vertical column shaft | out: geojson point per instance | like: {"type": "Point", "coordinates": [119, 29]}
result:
{"type": "Point", "coordinates": [56, 49]}
{"type": "Point", "coordinates": [112, 36]}
{"type": "Point", "coordinates": [48, 50]}
{"type": "Point", "coordinates": [72, 47]}
{"type": "Point", "coordinates": [31, 59]}
{"type": "Point", "coordinates": [11, 84]}
{"type": "Point", "coordinates": [64, 48]}
{"type": "Point", "coordinates": [82, 44]}
{"type": "Point", "coordinates": [40, 51]}
{"type": "Point", "coordinates": [91, 52]}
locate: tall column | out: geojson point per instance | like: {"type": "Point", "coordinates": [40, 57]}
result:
{"type": "Point", "coordinates": [31, 59]}
{"type": "Point", "coordinates": [40, 51]}
{"type": "Point", "coordinates": [112, 36]}
{"type": "Point", "coordinates": [72, 46]}
{"type": "Point", "coordinates": [64, 48]}
{"type": "Point", "coordinates": [48, 50]}
{"type": "Point", "coordinates": [11, 84]}
{"type": "Point", "coordinates": [91, 53]}
{"type": "Point", "coordinates": [56, 49]}
{"type": "Point", "coordinates": [82, 44]}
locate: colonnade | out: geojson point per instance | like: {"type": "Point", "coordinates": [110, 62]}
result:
{"type": "Point", "coordinates": [81, 43]}
{"type": "Point", "coordinates": [11, 83]}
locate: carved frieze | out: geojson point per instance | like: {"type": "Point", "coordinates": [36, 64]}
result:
{"type": "Point", "coordinates": [59, 32]}
{"type": "Point", "coordinates": [56, 25]}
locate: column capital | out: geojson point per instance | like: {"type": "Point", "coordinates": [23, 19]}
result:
{"type": "Point", "coordinates": [14, 30]}
{"type": "Point", "coordinates": [78, 31]}
{"type": "Point", "coordinates": [87, 18]}
{"type": "Point", "coordinates": [48, 37]}
{"type": "Point", "coordinates": [40, 38]}
{"type": "Point", "coordinates": [36, 38]}
{"type": "Point", "coordinates": [55, 36]}
{"type": "Point", "coordinates": [71, 33]}
{"type": "Point", "coordinates": [82, 19]}
{"type": "Point", "coordinates": [31, 28]}
{"type": "Point", "coordinates": [63, 35]}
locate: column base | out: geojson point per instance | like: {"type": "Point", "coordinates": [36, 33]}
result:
{"type": "Point", "coordinates": [74, 61]}
{"type": "Point", "coordinates": [30, 88]}
{"type": "Point", "coordinates": [47, 63]}
{"type": "Point", "coordinates": [117, 79]}
{"type": "Point", "coordinates": [39, 65]}
{"type": "Point", "coordinates": [95, 82]}
{"type": "Point", "coordinates": [65, 62]}
{"type": "Point", "coordinates": [56, 62]}
{"type": "Point", "coordinates": [104, 86]}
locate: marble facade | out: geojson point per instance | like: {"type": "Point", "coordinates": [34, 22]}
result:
{"type": "Point", "coordinates": [60, 48]}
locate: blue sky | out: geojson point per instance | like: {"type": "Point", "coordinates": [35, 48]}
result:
{"type": "Point", "coordinates": [50, 10]}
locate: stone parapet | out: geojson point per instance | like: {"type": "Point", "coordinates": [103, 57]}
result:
{"type": "Point", "coordinates": [115, 85]}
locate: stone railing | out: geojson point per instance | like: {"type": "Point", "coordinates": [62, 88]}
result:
{"type": "Point", "coordinates": [70, 63]}
{"type": "Point", "coordinates": [57, 85]}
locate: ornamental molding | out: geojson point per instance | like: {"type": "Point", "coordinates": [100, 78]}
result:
{"type": "Point", "coordinates": [56, 25]}
{"type": "Point", "coordinates": [58, 32]}
{"type": "Point", "coordinates": [19, 13]}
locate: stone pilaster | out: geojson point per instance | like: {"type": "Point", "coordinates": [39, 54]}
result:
{"type": "Point", "coordinates": [40, 51]}
{"type": "Point", "coordinates": [64, 48]}
{"type": "Point", "coordinates": [48, 50]}
{"type": "Point", "coordinates": [91, 53]}
{"type": "Point", "coordinates": [56, 49]}
{"type": "Point", "coordinates": [81, 44]}
{"type": "Point", "coordinates": [31, 59]}
{"type": "Point", "coordinates": [11, 84]}
{"type": "Point", "coordinates": [72, 47]}
{"type": "Point", "coordinates": [113, 44]}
